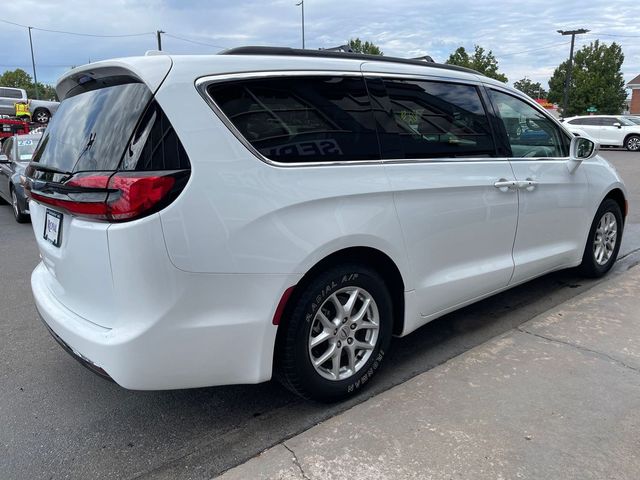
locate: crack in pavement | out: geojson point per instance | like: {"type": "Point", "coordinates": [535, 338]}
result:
{"type": "Point", "coordinates": [580, 347]}
{"type": "Point", "coordinates": [296, 461]}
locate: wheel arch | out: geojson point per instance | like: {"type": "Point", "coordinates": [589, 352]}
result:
{"type": "Point", "coordinates": [618, 196]}
{"type": "Point", "coordinates": [366, 256]}
{"type": "Point", "coordinates": [628, 136]}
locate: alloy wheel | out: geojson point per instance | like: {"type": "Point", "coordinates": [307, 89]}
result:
{"type": "Point", "coordinates": [633, 144]}
{"type": "Point", "coordinates": [606, 236]}
{"type": "Point", "coordinates": [344, 333]}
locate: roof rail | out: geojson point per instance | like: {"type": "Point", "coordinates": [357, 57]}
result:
{"type": "Point", "coordinates": [297, 52]}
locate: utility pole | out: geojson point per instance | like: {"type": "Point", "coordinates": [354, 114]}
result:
{"type": "Point", "coordinates": [567, 80]}
{"type": "Point", "coordinates": [159, 33]}
{"type": "Point", "coordinates": [33, 64]}
{"type": "Point", "coordinates": [297, 5]}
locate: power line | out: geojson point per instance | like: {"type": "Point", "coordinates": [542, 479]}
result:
{"type": "Point", "coordinates": [193, 41]}
{"type": "Point", "coordinates": [613, 35]}
{"type": "Point", "coordinates": [77, 33]}
{"type": "Point", "coordinates": [545, 47]}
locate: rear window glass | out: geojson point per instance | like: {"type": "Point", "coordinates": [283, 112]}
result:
{"type": "Point", "coordinates": [90, 131]}
{"type": "Point", "coordinates": [302, 119]}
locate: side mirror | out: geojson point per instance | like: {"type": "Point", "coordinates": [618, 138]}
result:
{"type": "Point", "coordinates": [582, 148]}
{"type": "Point", "coordinates": [4, 158]}
{"type": "Point", "coordinates": [616, 124]}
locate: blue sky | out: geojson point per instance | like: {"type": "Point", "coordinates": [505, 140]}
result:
{"type": "Point", "coordinates": [521, 34]}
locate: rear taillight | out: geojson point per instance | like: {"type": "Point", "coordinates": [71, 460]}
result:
{"type": "Point", "coordinates": [113, 197]}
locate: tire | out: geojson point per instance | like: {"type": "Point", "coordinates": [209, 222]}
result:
{"type": "Point", "coordinates": [294, 367]}
{"type": "Point", "coordinates": [596, 262]}
{"type": "Point", "coordinates": [17, 213]}
{"type": "Point", "coordinates": [41, 115]}
{"type": "Point", "coordinates": [632, 143]}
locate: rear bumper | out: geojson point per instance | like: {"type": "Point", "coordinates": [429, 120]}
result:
{"type": "Point", "coordinates": [218, 332]}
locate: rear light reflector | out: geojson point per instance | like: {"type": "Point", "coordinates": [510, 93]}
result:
{"type": "Point", "coordinates": [113, 197]}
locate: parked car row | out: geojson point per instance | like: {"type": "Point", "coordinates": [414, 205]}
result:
{"type": "Point", "coordinates": [15, 154]}
{"type": "Point", "coordinates": [608, 130]}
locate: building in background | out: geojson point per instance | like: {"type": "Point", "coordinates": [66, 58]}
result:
{"type": "Point", "coordinates": [634, 85]}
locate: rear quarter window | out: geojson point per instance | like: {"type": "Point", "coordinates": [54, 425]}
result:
{"type": "Point", "coordinates": [302, 119]}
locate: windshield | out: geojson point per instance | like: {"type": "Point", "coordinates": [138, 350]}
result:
{"type": "Point", "coordinates": [26, 147]}
{"type": "Point", "coordinates": [632, 120]}
{"type": "Point", "coordinates": [90, 131]}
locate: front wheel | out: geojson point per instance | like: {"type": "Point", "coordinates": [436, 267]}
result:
{"type": "Point", "coordinates": [604, 240]}
{"type": "Point", "coordinates": [633, 143]}
{"type": "Point", "coordinates": [337, 334]}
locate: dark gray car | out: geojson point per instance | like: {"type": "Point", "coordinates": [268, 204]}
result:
{"type": "Point", "coordinates": [15, 155]}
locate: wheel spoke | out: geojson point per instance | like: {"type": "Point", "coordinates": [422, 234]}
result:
{"type": "Point", "coordinates": [359, 316]}
{"type": "Point", "coordinates": [351, 359]}
{"type": "Point", "coordinates": [335, 365]}
{"type": "Point", "coordinates": [340, 313]}
{"type": "Point", "coordinates": [331, 351]}
{"type": "Point", "coordinates": [321, 337]}
{"type": "Point", "coordinates": [367, 326]}
{"type": "Point", "coordinates": [351, 301]}
{"type": "Point", "coordinates": [362, 345]}
{"type": "Point", "coordinates": [326, 323]}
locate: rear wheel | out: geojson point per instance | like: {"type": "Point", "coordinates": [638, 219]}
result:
{"type": "Point", "coordinates": [337, 334]}
{"type": "Point", "coordinates": [604, 240]}
{"type": "Point", "coordinates": [632, 143]}
{"type": "Point", "coordinates": [17, 213]}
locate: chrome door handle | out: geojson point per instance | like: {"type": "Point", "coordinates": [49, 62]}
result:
{"type": "Point", "coordinates": [505, 185]}
{"type": "Point", "coordinates": [529, 185]}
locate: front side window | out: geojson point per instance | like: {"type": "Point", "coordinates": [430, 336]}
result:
{"type": "Point", "coordinates": [530, 133]}
{"type": "Point", "coordinates": [302, 119]}
{"type": "Point", "coordinates": [438, 119]}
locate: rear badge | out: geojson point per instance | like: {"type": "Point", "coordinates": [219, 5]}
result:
{"type": "Point", "coordinates": [53, 227]}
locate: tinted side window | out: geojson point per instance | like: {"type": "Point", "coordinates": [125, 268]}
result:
{"type": "Point", "coordinates": [10, 93]}
{"type": "Point", "coordinates": [579, 121]}
{"type": "Point", "coordinates": [608, 121]}
{"type": "Point", "coordinates": [437, 119]}
{"type": "Point", "coordinates": [530, 133]}
{"type": "Point", "coordinates": [302, 119]}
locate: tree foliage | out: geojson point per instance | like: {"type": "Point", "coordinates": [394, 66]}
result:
{"type": "Point", "coordinates": [596, 80]}
{"type": "Point", "coordinates": [534, 90]}
{"type": "Point", "coordinates": [358, 46]}
{"type": "Point", "coordinates": [18, 78]}
{"type": "Point", "coordinates": [481, 61]}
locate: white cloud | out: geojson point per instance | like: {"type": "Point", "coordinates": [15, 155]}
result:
{"type": "Point", "coordinates": [404, 28]}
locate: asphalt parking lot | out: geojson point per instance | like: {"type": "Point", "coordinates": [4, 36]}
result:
{"type": "Point", "coordinates": [57, 420]}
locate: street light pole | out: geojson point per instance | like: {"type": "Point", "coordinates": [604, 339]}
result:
{"type": "Point", "coordinates": [159, 34]}
{"type": "Point", "coordinates": [33, 64]}
{"type": "Point", "coordinates": [567, 80]}
{"type": "Point", "coordinates": [297, 5]}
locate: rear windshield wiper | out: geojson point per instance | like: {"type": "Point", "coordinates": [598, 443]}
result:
{"type": "Point", "coordinates": [45, 168]}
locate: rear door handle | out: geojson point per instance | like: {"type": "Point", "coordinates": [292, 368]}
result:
{"type": "Point", "coordinates": [505, 185]}
{"type": "Point", "coordinates": [529, 185]}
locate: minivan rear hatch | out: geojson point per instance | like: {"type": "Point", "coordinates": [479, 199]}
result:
{"type": "Point", "coordinates": [94, 166]}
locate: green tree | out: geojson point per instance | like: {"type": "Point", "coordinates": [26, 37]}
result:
{"type": "Point", "coordinates": [596, 80]}
{"type": "Point", "coordinates": [534, 90]}
{"type": "Point", "coordinates": [18, 78]}
{"type": "Point", "coordinates": [358, 46]}
{"type": "Point", "coordinates": [480, 61]}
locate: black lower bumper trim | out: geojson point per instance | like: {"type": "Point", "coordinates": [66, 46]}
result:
{"type": "Point", "coordinates": [81, 360]}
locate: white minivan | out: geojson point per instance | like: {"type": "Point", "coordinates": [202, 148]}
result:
{"type": "Point", "coordinates": [210, 220]}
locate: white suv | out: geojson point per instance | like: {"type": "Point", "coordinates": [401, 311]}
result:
{"type": "Point", "coordinates": [209, 220]}
{"type": "Point", "coordinates": [614, 131]}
